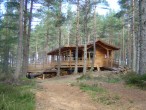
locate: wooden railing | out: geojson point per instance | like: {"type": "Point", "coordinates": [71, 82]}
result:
{"type": "Point", "coordinates": [39, 67]}
{"type": "Point", "coordinates": [73, 62]}
{"type": "Point", "coordinates": [70, 64]}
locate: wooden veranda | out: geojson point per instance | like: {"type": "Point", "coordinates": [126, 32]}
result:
{"type": "Point", "coordinates": [104, 57]}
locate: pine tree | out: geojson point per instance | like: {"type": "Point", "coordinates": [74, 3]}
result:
{"type": "Point", "coordinates": [18, 70]}
{"type": "Point", "coordinates": [142, 62]}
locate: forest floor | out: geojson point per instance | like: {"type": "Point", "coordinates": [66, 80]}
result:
{"type": "Point", "coordinates": [59, 93]}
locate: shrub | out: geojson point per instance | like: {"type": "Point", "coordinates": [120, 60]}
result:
{"type": "Point", "coordinates": [85, 77]}
{"type": "Point", "coordinates": [94, 88]}
{"type": "Point", "coordinates": [16, 97]}
{"type": "Point", "coordinates": [135, 79]}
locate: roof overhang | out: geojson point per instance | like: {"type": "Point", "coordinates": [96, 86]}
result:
{"type": "Point", "coordinates": [81, 47]}
{"type": "Point", "coordinates": [64, 49]}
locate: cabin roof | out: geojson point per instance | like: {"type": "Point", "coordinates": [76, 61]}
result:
{"type": "Point", "coordinates": [81, 47]}
{"type": "Point", "coordinates": [64, 49]}
{"type": "Point", "coordinates": [104, 45]}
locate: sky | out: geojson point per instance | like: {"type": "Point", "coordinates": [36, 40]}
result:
{"type": "Point", "coordinates": [113, 4]}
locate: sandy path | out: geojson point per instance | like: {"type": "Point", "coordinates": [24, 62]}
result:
{"type": "Point", "coordinates": [130, 98]}
{"type": "Point", "coordinates": [58, 94]}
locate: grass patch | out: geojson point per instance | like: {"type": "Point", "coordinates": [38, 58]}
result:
{"type": "Point", "coordinates": [107, 99]}
{"type": "Point", "coordinates": [85, 77]}
{"type": "Point", "coordinates": [92, 85]}
{"type": "Point", "coordinates": [93, 88]}
{"type": "Point", "coordinates": [99, 94]}
{"type": "Point", "coordinates": [17, 97]}
{"type": "Point", "coordinates": [114, 80]}
{"type": "Point", "coordinates": [109, 78]}
{"type": "Point", "coordinates": [134, 79]}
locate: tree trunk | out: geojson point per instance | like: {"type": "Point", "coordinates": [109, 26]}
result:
{"type": "Point", "coordinates": [68, 38]}
{"type": "Point", "coordinates": [26, 42]}
{"type": "Point", "coordinates": [46, 46]}
{"type": "Point", "coordinates": [36, 49]}
{"type": "Point", "coordinates": [6, 59]}
{"type": "Point", "coordinates": [59, 53]}
{"type": "Point", "coordinates": [128, 48]}
{"type": "Point", "coordinates": [123, 47]}
{"type": "Point", "coordinates": [133, 38]}
{"type": "Point", "coordinates": [85, 57]}
{"type": "Point", "coordinates": [142, 63]}
{"type": "Point", "coordinates": [86, 35]}
{"type": "Point", "coordinates": [77, 37]}
{"type": "Point", "coordinates": [25, 38]}
{"type": "Point", "coordinates": [139, 37]}
{"type": "Point", "coordinates": [94, 40]}
{"type": "Point", "coordinates": [20, 40]}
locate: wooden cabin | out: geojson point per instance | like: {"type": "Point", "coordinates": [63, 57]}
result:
{"type": "Point", "coordinates": [104, 57]}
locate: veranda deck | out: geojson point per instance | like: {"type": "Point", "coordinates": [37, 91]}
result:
{"type": "Point", "coordinates": [52, 67]}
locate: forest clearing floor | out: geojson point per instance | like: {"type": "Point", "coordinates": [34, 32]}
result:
{"type": "Point", "coordinates": [65, 93]}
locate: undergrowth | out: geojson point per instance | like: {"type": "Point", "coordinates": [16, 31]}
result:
{"type": "Point", "coordinates": [99, 94]}
{"type": "Point", "coordinates": [93, 87]}
{"type": "Point", "coordinates": [90, 83]}
{"type": "Point", "coordinates": [109, 78]}
{"type": "Point", "coordinates": [134, 79]}
{"type": "Point", "coordinates": [17, 97]}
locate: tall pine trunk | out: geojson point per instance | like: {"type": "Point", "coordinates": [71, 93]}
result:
{"type": "Point", "coordinates": [26, 41]}
{"type": "Point", "coordinates": [46, 47]}
{"type": "Point", "coordinates": [59, 29]}
{"type": "Point", "coordinates": [142, 62]}
{"type": "Point", "coordinates": [94, 40]}
{"type": "Point", "coordinates": [25, 37]}
{"type": "Point", "coordinates": [133, 37]}
{"type": "Point", "coordinates": [86, 35]}
{"type": "Point", "coordinates": [20, 44]}
{"type": "Point", "coordinates": [77, 37]}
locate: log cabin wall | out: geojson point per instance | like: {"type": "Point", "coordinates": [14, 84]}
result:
{"type": "Point", "coordinates": [100, 56]}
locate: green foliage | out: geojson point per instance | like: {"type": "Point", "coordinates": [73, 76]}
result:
{"type": "Point", "coordinates": [135, 80]}
{"type": "Point", "coordinates": [110, 78]}
{"type": "Point", "coordinates": [98, 93]}
{"type": "Point", "coordinates": [16, 97]}
{"type": "Point", "coordinates": [124, 4]}
{"type": "Point", "coordinates": [107, 99]}
{"type": "Point", "coordinates": [93, 88]}
{"type": "Point", "coordinates": [8, 36]}
{"type": "Point", "coordinates": [85, 77]}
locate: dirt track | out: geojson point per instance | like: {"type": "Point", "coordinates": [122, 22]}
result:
{"type": "Point", "coordinates": [58, 94]}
